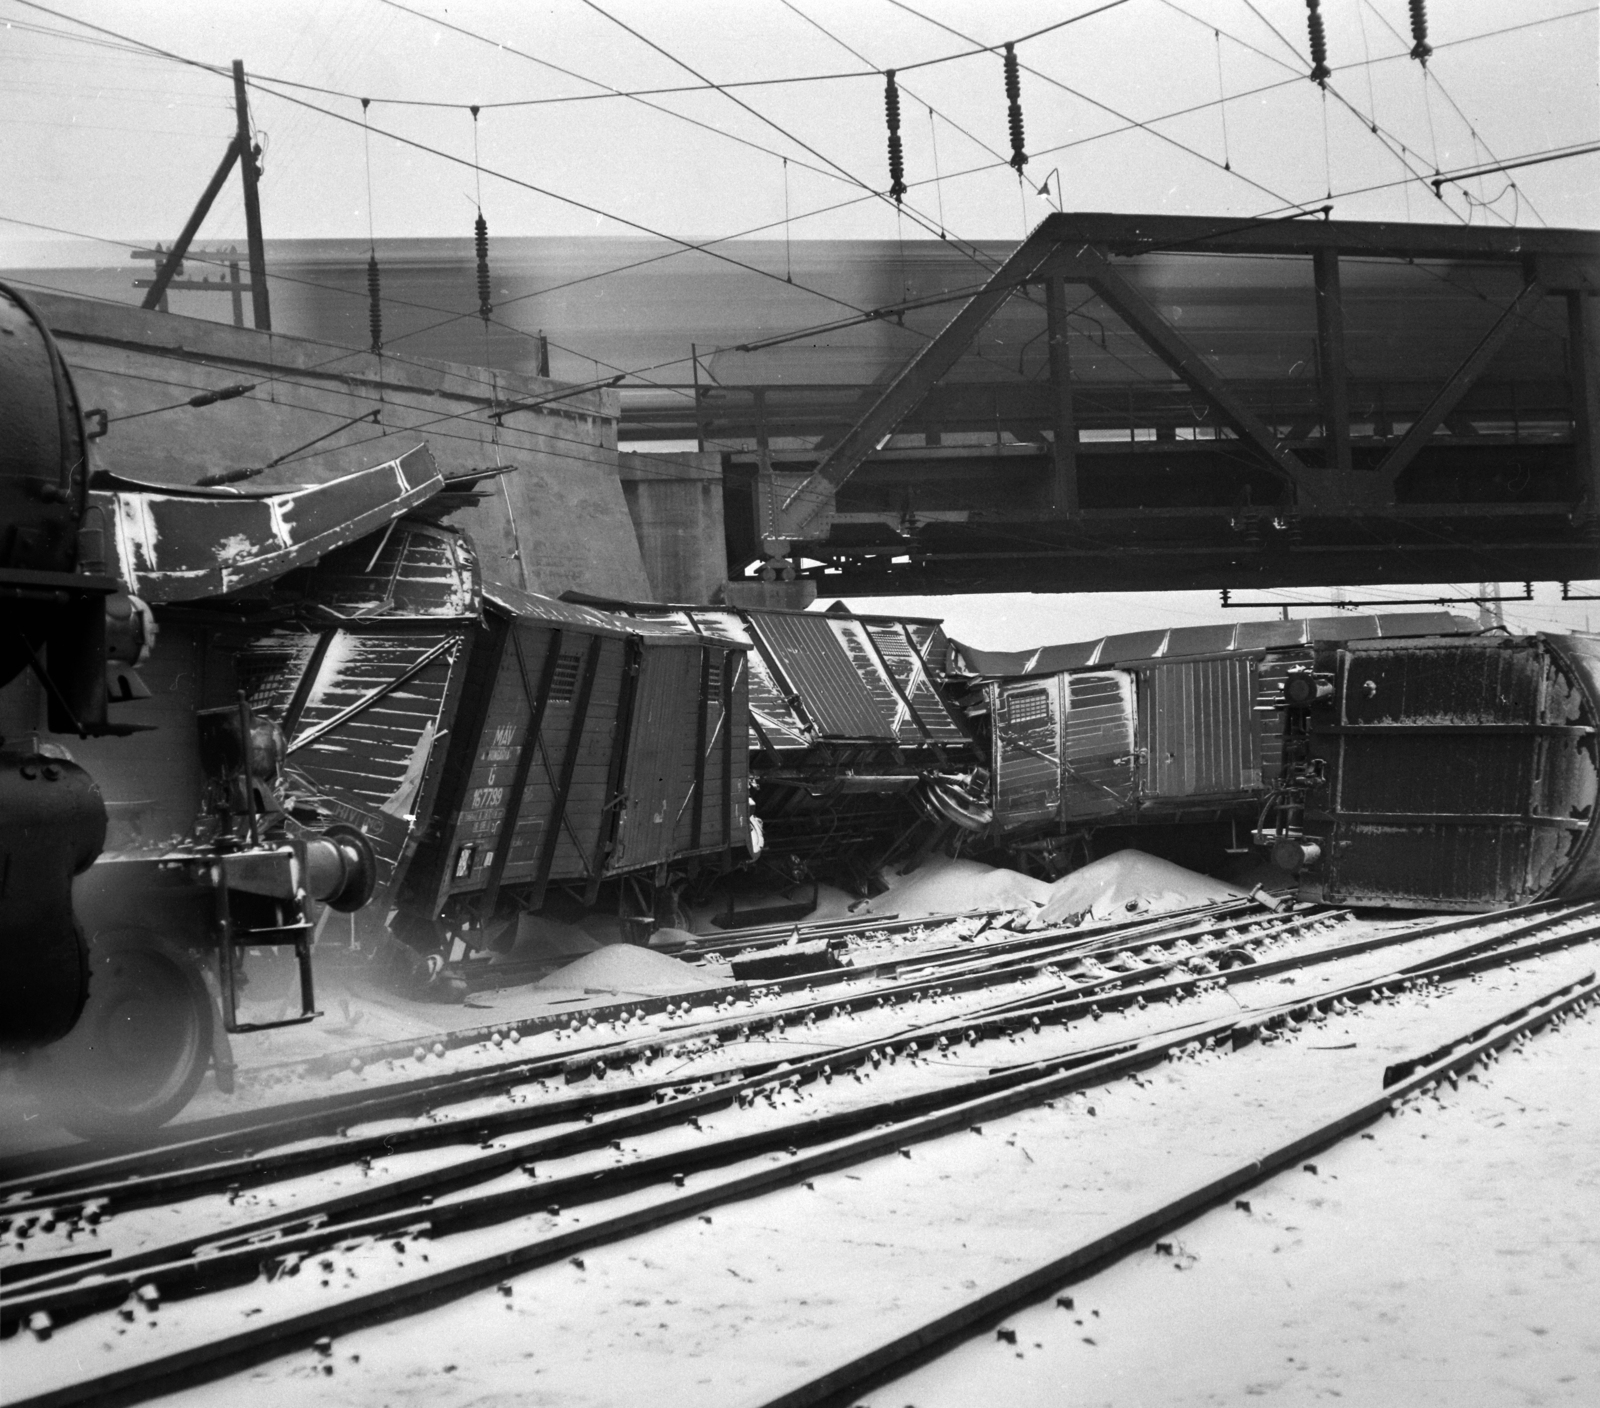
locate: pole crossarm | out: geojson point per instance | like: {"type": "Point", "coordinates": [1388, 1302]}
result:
{"type": "Point", "coordinates": [1095, 270]}
{"type": "Point", "coordinates": [807, 503]}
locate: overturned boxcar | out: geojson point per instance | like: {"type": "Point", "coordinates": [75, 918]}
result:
{"type": "Point", "coordinates": [856, 752]}
{"type": "Point", "coordinates": [1172, 727]}
{"type": "Point", "coordinates": [1449, 773]}
{"type": "Point", "coordinates": [496, 744]}
{"type": "Point", "coordinates": [1406, 761]}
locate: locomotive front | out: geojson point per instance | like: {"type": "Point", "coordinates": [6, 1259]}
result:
{"type": "Point", "coordinates": [123, 948]}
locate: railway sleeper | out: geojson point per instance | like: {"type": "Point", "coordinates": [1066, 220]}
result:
{"type": "Point", "coordinates": [145, 1189]}
{"type": "Point", "coordinates": [264, 1341]}
{"type": "Point", "coordinates": [675, 1099]}
{"type": "Point", "coordinates": [196, 1268]}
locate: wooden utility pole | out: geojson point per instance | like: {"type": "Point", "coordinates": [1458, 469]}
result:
{"type": "Point", "coordinates": [252, 203]}
{"type": "Point", "coordinates": [171, 261]}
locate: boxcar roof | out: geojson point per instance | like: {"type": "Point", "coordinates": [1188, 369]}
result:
{"type": "Point", "coordinates": [1179, 641]}
{"type": "Point", "coordinates": [579, 616]}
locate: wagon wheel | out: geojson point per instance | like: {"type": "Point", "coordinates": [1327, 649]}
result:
{"type": "Point", "coordinates": [143, 1043]}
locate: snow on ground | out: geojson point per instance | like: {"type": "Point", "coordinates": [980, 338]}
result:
{"type": "Point", "coordinates": [623, 969]}
{"type": "Point", "coordinates": [1453, 1259]}
{"type": "Point", "coordinates": [942, 885]}
{"type": "Point", "coordinates": [1129, 883]}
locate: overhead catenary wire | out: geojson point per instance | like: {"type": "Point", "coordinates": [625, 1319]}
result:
{"type": "Point", "coordinates": [1444, 92]}
{"type": "Point", "coordinates": [146, 51]}
{"type": "Point", "coordinates": [1390, 142]}
{"type": "Point", "coordinates": [772, 123]}
{"type": "Point", "coordinates": [451, 157]}
{"type": "Point", "coordinates": [1145, 126]}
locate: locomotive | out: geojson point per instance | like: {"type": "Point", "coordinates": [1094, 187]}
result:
{"type": "Point", "coordinates": [124, 925]}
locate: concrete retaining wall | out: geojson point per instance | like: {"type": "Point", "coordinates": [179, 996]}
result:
{"type": "Point", "coordinates": [558, 522]}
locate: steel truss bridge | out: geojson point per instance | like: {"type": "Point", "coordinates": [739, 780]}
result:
{"type": "Point", "coordinates": [1140, 402]}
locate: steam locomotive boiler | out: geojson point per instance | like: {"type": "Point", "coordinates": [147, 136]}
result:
{"type": "Point", "coordinates": [145, 844]}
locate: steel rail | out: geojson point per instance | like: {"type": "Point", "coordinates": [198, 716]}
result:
{"type": "Point", "coordinates": [324, 1114]}
{"type": "Point", "coordinates": [722, 1084]}
{"type": "Point", "coordinates": [239, 1251]}
{"type": "Point", "coordinates": [327, 1112]}
{"type": "Point", "coordinates": [137, 1382]}
{"type": "Point", "coordinates": [872, 1368]}
{"type": "Point", "coordinates": [716, 1086]}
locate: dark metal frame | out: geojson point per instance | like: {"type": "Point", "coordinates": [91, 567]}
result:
{"type": "Point", "coordinates": [1082, 249]}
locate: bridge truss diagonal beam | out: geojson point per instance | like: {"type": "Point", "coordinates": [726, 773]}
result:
{"type": "Point", "coordinates": [807, 502]}
{"type": "Point", "coordinates": [1041, 258]}
{"type": "Point", "coordinates": [1095, 270]}
{"type": "Point", "coordinates": [1460, 382]}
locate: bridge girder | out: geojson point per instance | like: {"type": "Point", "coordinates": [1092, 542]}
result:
{"type": "Point", "coordinates": [1273, 481]}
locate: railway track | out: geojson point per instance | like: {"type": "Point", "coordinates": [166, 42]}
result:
{"type": "Point", "coordinates": [512, 1167]}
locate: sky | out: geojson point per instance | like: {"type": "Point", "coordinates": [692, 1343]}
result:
{"type": "Point", "coordinates": [106, 140]}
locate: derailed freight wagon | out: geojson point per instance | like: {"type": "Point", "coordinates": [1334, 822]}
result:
{"type": "Point", "coordinates": [499, 745]}
{"type": "Point", "coordinates": [588, 748]}
{"type": "Point", "coordinates": [1451, 773]}
{"type": "Point", "coordinates": [1096, 745]}
{"type": "Point", "coordinates": [856, 755]}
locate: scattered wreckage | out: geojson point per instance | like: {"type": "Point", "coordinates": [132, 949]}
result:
{"type": "Point", "coordinates": [231, 714]}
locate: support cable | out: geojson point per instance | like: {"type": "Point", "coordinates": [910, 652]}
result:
{"type": "Point", "coordinates": [1222, 103]}
{"type": "Point", "coordinates": [1445, 92]}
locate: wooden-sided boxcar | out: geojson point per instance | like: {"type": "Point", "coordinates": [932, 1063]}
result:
{"type": "Point", "coordinates": [854, 748]}
{"type": "Point", "coordinates": [587, 746]}
{"type": "Point", "coordinates": [495, 743]}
